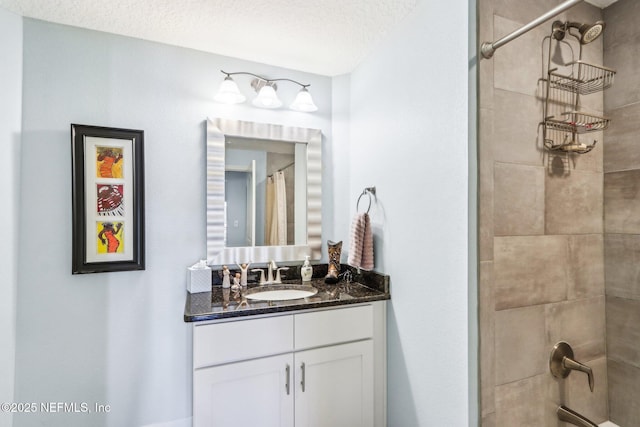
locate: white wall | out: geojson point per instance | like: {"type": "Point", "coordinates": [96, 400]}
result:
{"type": "Point", "coordinates": [409, 138]}
{"type": "Point", "coordinates": [10, 124]}
{"type": "Point", "coordinates": [119, 338]}
{"type": "Point", "coordinates": [338, 182]}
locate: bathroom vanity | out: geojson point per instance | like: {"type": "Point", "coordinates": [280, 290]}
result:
{"type": "Point", "coordinates": [313, 361]}
{"type": "Point", "coordinates": [317, 361]}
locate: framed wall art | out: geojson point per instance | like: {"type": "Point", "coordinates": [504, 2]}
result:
{"type": "Point", "coordinates": [108, 199]}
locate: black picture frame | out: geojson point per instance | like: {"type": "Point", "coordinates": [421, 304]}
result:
{"type": "Point", "coordinates": [107, 199]}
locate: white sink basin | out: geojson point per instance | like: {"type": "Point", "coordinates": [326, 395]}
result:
{"type": "Point", "coordinates": [280, 293]}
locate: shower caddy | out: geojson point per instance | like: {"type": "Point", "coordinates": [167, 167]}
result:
{"type": "Point", "coordinates": [563, 122]}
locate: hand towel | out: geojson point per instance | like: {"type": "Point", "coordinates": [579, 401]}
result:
{"type": "Point", "coordinates": [361, 249]}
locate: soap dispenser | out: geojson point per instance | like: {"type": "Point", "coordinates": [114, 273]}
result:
{"type": "Point", "coordinates": [306, 271]}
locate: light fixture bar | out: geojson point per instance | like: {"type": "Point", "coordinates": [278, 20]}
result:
{"type": "Point", "coordinates": [264, 78]}
{"type": "Point", "coordinates": [266, 89]}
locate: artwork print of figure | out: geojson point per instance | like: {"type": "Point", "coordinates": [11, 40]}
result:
{"type": "Point", "coordinates": [109, 162]}
{"type": "Point", "coordinates": [110, 238]}
{"type": "Point", "coordinates": [110, 200]}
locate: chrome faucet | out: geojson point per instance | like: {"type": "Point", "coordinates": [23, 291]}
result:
{"type": "Point", "coordinates": [567, 415]}
{"type": "Point", "coordinates": [272, 267]}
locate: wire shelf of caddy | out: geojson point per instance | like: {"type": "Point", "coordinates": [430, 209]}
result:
{"type": "Point", "coordinates": [584, 79]}
{"type": "Point", "coordinates": [561, 133]}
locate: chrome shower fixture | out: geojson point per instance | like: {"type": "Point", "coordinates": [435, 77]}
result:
{"type": "Point", "coordinates": [587, 32]}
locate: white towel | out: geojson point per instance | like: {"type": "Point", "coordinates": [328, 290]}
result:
{"type": "Point", "coordinates": [361, 250]}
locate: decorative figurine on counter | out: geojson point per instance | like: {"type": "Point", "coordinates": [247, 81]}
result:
{"type": "Point", "coordinates": [243, 277]}
{"type": "Point", "coordinates": [226, 283]}
{"type": "Point", "coordinates": [236, 283]}
{"type": "Point", "coordinates": [335, 249]}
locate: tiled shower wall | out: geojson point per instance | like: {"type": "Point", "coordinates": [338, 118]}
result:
{"type": "Point", "coordinates": [622, 211]}
{"type": "Point", "coordinates": [541, 234]}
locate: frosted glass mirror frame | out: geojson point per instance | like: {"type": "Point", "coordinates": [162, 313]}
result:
{"type": "Point", "coordinates": [217, 131]}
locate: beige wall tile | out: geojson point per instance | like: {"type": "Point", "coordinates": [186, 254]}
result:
{"type": "Point", "coordinates": [622, 265]}
{"type": "Point", "coordinates": [622, 23]}
{"type": "Point", "coordinates": [518, 200]}
{"type": "Point", "coordinates": [520, 344]}
{"type": "Point", "coordinates": [485, 203]}
{"type": "Point", "coordinates": [625, 60]}
{"type": "Point", "coordinates": [624, 389]}
{"type": "Point", "coordinates": [517, 137]}
{"type": "Point", "coordinates": [623, 330]}
{"type": "Point", "coordinates": [487, 339]}
{"type": "Point", "coordinates": [581, 323]}
{"type": "Point", "coordinates": [573, 204]}
{"type": "Point", "coordinates": [592, 161]}
{"type": "Point", "coordinates": [522, 11]}
{"type": "Point", "coordinates": [586, 263]}
{"type": "Point", "coordinates": [517, 65]}
{"type": "Point", "coordinates": [489, 420]}
{"type": "Point", "coordinates": [622, 202]}
{"type": "Point", "coordinates": [530, 270]}
{"type": "Point", "coordinates": [485, 83]}
{"type": "Point", "coordinates": [527, 403]}
{"type": "Point", "coordinates": [594, 405]}
{"type": "Point", "coordinates": [622, 141]}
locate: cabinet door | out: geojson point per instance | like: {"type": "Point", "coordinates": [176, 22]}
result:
{"type": "Point", "coordinates": [254, 393]}
{"type": "Point", "coordinates": [334, 386]}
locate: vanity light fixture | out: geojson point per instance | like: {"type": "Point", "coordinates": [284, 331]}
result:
{"type": "Point", "coordinates": [229, 93]}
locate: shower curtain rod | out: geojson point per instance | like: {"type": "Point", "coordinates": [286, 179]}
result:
{"type": "Point", "coordinates": [488, 48]}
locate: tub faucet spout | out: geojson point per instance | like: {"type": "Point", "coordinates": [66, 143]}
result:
{"type": "Point", "coordinates": [567, 415]}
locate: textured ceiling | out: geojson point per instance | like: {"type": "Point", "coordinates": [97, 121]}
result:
{"type": "Point", "coordinates": [328, 37]}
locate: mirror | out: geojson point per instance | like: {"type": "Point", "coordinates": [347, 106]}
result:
{"type": "Point", "coordinates": [263, 192]}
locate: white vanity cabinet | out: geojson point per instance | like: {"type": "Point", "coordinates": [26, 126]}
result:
{"type": "Point", "coordinates": [250, 393]}
{"type": "Point", "coordinates": [323, 368]}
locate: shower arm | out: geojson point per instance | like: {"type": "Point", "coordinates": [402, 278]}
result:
{"type": "Point", "coordinates": [488, 48]}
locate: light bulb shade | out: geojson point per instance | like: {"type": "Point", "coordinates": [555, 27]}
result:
{"type": "Point", "coordinates": [267, 98]}
{"type": "Point", "coordinates": [228, 93]}
{"type": "Point", "coordinates": [303, 102]}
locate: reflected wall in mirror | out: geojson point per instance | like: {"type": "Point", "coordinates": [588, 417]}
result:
{"type": "Point", "coordinates": [263, 192]}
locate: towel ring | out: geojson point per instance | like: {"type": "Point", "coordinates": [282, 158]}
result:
{"type": "Point", "coordinates": [368, 191]}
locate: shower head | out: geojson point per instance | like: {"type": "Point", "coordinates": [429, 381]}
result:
{"type": "Point", "coordinates": [588, 32]}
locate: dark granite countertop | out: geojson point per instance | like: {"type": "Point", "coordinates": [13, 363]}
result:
{"type": "Point", "coordinates": [224, 303]}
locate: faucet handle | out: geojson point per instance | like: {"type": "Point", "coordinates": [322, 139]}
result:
{"type": "Point", "coordinates": [561, 363]}
{"type": "Point", "coordinates": [255, 270]}
{"type": "Point", "coordinates": [278, 277]}
{"type": "Point", "coordinates": [572, 364]}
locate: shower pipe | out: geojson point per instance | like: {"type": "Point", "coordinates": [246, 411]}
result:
{"type": "Point", "coordinates": [488, 48]}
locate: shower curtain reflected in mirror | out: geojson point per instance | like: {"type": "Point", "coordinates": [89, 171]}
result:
{"type": "Point", "coordinates": [276, 226]}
